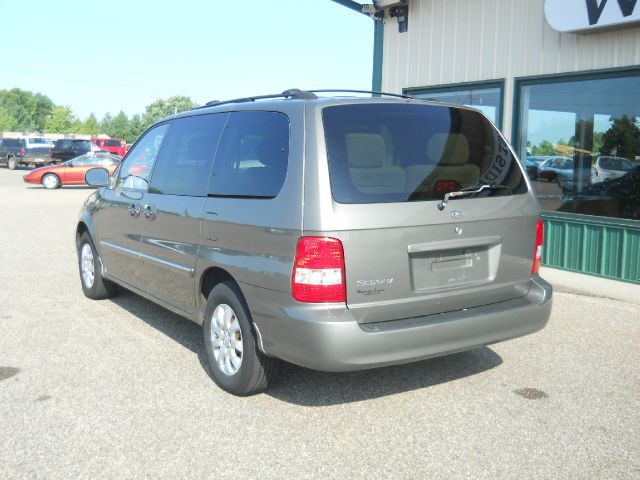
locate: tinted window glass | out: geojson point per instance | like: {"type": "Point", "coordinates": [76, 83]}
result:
{"type": "Point", "coordinates": [83, 144]}
{"type": "Point", "coordinates": [488, 100]}
{"type": "Point", "coordinates": [13, 142]}
{"type": "Point", "coordinates": [136, 170]}
{"type": "Point", "coordinates": [184, 164]}
{"type": "Point", "coordinates": [112, 143]}
{"type": "Point", "coordinates": [399, 153]}
{"type": "Point", "coordinates": [596, 124]}
{"type": "Point", "coordinates": [253, 156]}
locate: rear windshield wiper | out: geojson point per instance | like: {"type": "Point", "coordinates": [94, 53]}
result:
{"type": "Point", "coordinates": [470, 192]}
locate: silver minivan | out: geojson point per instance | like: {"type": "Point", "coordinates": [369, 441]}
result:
{"type": "Point", "coordinates": [336, 233]}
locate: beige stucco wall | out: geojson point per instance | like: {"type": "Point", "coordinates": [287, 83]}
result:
{"type": "Point", "coordinates": [456, 41]}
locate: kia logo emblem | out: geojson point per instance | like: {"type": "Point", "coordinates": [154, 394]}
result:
{"type": "Point", "coordinates": [456, 214]}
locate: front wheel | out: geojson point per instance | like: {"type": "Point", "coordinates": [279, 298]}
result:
{"type": "Point", "coordinates": [236, 363]}
{"type": "Point", "coordinates": [94, 285]}
{"type": "Point", "coordinates": [50, 181]}
{"type": "Point", "coordinates": [12, 163]}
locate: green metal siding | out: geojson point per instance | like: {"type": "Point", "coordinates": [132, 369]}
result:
{"type": "Point", "coordinates": [598, 246]}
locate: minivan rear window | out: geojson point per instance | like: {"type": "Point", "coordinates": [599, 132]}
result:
{"type": "Point", "coordinates": [380, 153]}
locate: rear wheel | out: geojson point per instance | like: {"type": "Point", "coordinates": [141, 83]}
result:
{"type": "Point", "coordinates": [236, 363]}
{"type": "Point", "coordinates": [50, 181]}
{"type": "Point", "coordinates": [94, 285]}
{"type": "Point", "coordinates": [12, 163]}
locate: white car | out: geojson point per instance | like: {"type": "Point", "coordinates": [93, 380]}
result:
{"type": "Point", "coordinates": [609, 168]}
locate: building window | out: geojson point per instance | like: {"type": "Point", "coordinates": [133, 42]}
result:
{"type": "Point", "coordinates": [486, 97]}
{"type": "Point", "coordinates": [581, 138]}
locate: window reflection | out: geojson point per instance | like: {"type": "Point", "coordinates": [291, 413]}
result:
{"type": "Point", "coordinates": [487, 100]}
{"type": "Point", "coordinates": [581, 141]}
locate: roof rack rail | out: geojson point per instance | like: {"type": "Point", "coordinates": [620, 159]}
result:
{"type": "Point", "coordinates": [291, 93]}
{"type": "Point", "coordinates": [338, 90]}
{"type": "Point", "coordinates": [298, 94]}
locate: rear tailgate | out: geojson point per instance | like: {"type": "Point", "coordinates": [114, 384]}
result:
{"type": "Point", "coordinates": [399, 267]}
{"type": "Point", "coordinates": [37, 154]}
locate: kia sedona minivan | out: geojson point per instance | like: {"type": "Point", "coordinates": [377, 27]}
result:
{"type": "Point", "coordinates": [336, 233]}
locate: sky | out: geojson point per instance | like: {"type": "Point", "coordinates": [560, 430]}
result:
{"type": "Point", "coordinates": [99, 57]}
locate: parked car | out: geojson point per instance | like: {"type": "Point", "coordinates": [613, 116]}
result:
{"type": "Point", "coordinates": [17, 152]}
{"type": "Point", "coordinates": [116, 146]}
{"type": "Point", "coordinates": [531, 169]}
{"type": "Point", "coordinates": [335, 233]}
{"type": "Point", "coordinates": [68, 148]}
{"type": "Point", "coordinates": [554, 168]}
{"type": "Point", "coordinates": [538, 160]}
{"type": "Point", "coordinates": [608, 168]}
{"type": "Point", "coordinates": [72, 171]}
{"type": "Point", "coordinates": [619, 198]}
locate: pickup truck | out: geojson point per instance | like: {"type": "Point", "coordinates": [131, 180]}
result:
{"type": "Point", "coordinates": [25, 151]}
{"type": "Point", "coordinates": [116, 146]}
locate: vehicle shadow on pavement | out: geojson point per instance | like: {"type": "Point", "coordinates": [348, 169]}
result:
{"type": "Point", "coordinates": [314, 389]}
{"type": "Point", "coordinates": [305, 387]}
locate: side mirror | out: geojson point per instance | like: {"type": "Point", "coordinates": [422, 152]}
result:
{"type": "Point", "coordinates": [97, 177]}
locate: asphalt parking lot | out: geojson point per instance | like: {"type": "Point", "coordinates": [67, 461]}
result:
{"type": "Point", "coordinates": [118, 388]}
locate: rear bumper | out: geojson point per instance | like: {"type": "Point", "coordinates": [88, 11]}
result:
{"type": "Point", "coordinates": [328, 338]}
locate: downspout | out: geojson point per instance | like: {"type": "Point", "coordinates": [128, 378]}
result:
{"type": "Point", "coordinates": [378, 37]}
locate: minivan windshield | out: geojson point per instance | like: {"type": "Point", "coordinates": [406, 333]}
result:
{"type": "Point", "coordinates": [390, 152]}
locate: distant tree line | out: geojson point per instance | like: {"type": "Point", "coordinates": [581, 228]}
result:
{"type": "Point", "coordinates": [24, 111]}
{"type": "Point", "coordinates": [622, 139]}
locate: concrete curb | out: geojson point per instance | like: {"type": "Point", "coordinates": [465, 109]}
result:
{"type": "Point", "coordinates": [590, 285]}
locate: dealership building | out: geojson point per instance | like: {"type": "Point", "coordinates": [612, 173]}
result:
{"type": "Point", "coordinates": [561, 79]}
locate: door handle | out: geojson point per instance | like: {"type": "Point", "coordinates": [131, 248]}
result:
{"type": "Point", "coordinates": [134, 210]}
{"type": "Point", "coordinates": [149, 212]}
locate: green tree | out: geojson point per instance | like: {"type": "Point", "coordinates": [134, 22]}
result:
{"type": "Point", "coordinates": [7, 122]}
{"type": "Point", "coordinates": [164, 107]}
{"type": "Point", "coordinates": [136, 127]}
{"type": "Point", "coordinates": [21, 106]}
{"type": "Point", "coordinates": [90, 125]}
{"type": "Point", "coordinates": [29, 112]}
{"type": "Point", "coordinates": [43, 110]}
{"type": "Point", "coordinates": [545, 148]}
{"type": "Point", "coordinates": [119, 125]}
{"type": "Point", "coordinates": [61, 120]}
{"type": "Point", "coordinates": [105, 123]}
{"type": "Point", "coordinates": [597, 141]}
{"type": "Point", "coordinates": [622, 139]}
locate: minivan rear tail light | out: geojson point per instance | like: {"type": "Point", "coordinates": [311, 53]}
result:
{"type": "Point", "coordinates": [318, 271]}
{"type": "Point", "coordinates": [22, 152]}
{"type": "Point", "coordinates": [537, 252]}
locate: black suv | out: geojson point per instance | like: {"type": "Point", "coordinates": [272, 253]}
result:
{"type": "Point", "coordinates": [68, 148]}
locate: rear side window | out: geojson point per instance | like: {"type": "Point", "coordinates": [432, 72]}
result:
{"type": "Point", "coordinates": [13, 142]}
{"type": "Point", "coordinates": [112, 143]}
{"type": "Point", "coordinates": [616, 163]}
{"type": "Point", "coordinates": [184, 163]}
{"type": "Point", "coordinates": [253, 156]}
{"type": "Point", "coordinates": [400, 153]}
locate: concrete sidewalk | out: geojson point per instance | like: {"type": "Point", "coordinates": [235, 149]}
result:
{"type": "Point", "coordinates": [578, 283]}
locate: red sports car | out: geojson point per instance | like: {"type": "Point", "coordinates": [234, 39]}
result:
{"type": "Point", "coordinates": [72, 171]}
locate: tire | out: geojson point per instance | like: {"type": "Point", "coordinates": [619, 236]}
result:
{"type": "Point", "coordinates": [12, 163]}
{"type": "Point", "coordinates": [94, 285]}
{"type": "Point", "coordinates": [50, 181]}
{"type": "Point", "coordinates": [227, 327]}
